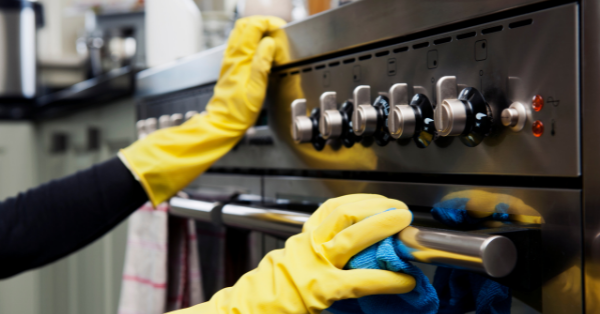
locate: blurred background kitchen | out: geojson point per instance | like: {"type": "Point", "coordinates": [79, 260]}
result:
{"type": "Point", "coordinates": [67, 74]}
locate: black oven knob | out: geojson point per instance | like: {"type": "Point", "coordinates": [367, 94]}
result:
{"type": "Point", "coordinates": [464, 115]}
{"type": "Point", "coordinates": [365, 116]}
{"type": "Point", "coordinates": [305, 128]}
{"type": "Point", "coordinates": [382, 106]}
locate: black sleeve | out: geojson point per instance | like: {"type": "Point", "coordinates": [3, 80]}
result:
{"type": "Point", "coordinates": [58, 218]}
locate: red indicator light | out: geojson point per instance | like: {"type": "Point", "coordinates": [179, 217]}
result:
{"type": "Point", "coordinates": [537, 128]}
{"type": "Point", "coordinates": [537, 103]}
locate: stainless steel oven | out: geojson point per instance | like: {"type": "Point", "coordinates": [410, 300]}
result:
{"type": "Point", "coordinates": [492, 102]}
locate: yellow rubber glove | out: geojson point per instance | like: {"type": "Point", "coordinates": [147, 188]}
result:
{"type": "Point", "coordinates": [307, 276]}
{"type": "Point", "coordinates": [169, 159]}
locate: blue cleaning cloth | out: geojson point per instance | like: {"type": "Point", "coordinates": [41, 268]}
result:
{"type": "Point", "coordinates": [390, 254]}
{"type": "Point", "coordinates": [462, 291]}
{"type": "Point", "coordinates": [454, 291]}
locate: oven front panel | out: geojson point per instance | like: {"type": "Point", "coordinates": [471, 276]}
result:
{"type": "Point", "coordinates": [509, 60]}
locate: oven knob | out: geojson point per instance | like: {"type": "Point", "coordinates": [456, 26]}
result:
{"type": "Point", "coordinates": [365, 116]}
{"type": "Point", "coordinates": [331, 121]}
{"type": "Point", "coordinates": [402, 120]}
{"type": "Point", "coordinates": [176, 119]}
{"type": "Point", "coordinates": [304, 128]}
{"type": "Point", "coordinates": [190, 114]}
{"type": "Point", "coordinates": [450, 117]}
{"type": "Point", "coordinates": [164, 121]}
{"type": "Point", "coordinates": [514, 116]}
{"type": "Point", "coordinates": [465, 115]}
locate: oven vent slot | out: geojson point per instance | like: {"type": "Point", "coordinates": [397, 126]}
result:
{"type": "Point", "coordinates": [334, 64]}
{"type": "Point", "coordinates": [421, 45]}
{"type": "Point", "coordinates": [294, 72]}
{"type": "Point", "coordinates": [520, 23]}
{"type": "Point", "coordinates": [365, 57]}
{"type": "Point", "coordinates": [282, 74]}
{"type": "Point", "coordinates": [307, 70]}
{"type": "Point", "coordinates": [442, 40]}
{"type": "Point", "coordinates": [351, 60]}
{"type": "Point", "coordinates": [401, 49]}
{"type": "Point", "coordinates": [382, 53]}
{"type": "Point", "coordinates": [466, 35]}
{"type": "Point", "coordinates": [492, 29]}
{"type": "Point", "coordinates": [319, 67]}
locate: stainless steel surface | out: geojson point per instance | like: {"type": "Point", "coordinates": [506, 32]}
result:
{"type": "Point", "coordinates": [278, 222]}
{"type": "Point", "coordinates": [364, 116]}
{"type": "Point", "coordinates": [194, 209]}
{"type": "Point", "coordinates": [330, 123]}
{"type": "Point", "coordinates": [450, 117]}
{"type": "Point", "coordinates": [558, 211]}
{"type": "Point", "coordinates": [365, 22]}
{"type": "Point", "coordinates": [511, 52]}
{"type": "Point", "coordinates": [302, 126]}
{"type": "Point", "coordinates": [18, 59]}
{"type": "Point", "coordinates": [492, 255]}
{"type": "Point", "coordinates": [514, 116]}
{"type": "Point", "coordinates": [590, 93]}
{"type": "Point", "coordinates": [199, 69]}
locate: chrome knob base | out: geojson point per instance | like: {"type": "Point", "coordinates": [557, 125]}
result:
{"type": "Point", "coordinates": [514, 117]}
{"type": "Point", "coordinates": [450, 117]}
{"type": "Point", "coordinates": [402, 122]}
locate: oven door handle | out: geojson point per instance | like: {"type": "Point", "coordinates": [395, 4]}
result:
{"type": "Point", "coordinates": [493, 255]}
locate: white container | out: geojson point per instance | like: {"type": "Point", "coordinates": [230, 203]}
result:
{"type": "Point", "coordinates": [173, 30]}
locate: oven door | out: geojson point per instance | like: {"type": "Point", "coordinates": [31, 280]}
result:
{"type": "Point", "coordinates": [543, 227]}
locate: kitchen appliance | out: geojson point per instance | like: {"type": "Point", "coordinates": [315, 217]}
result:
{"type": "Point", "coordinates": [20, 20]}
{"type": "Point", "coordinates": [489, 104]}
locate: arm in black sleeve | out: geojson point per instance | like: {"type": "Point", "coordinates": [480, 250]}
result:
{"type": "Point", "coordinates": [56, 219]}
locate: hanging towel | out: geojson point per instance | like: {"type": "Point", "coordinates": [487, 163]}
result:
{"type": "Point", "coordinates": [143, 290]}
{"type": "Point", "coordinates": [162, 268]}
{"type": "Point", "coordinates": [184, 276]}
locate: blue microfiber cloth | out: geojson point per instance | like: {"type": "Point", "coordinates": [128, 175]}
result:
{"type": "Point", "coordinates": [390, 254]}
{"type": "Point", "coordinates": [462, 291]}
{"type": "Point", "coordinates": [458, 291]}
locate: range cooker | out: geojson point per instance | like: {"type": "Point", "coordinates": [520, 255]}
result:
{"type": "Point", "coordinates": [488, 103]}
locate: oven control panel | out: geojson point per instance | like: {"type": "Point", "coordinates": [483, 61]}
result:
{"type": "Point", "coordinates": [495, 98]}
{"type": "Point", "coordinates": [499, 98]}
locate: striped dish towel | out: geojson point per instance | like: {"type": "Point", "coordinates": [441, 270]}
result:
{"type": "Point", "coordinates": [162, 268]}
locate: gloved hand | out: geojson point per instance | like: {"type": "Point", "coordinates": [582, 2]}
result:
{"type": "Point", "coordinates": [169, 159]}
{"type": "Point", "coordinates": [307, 276]}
